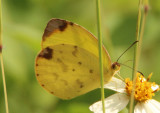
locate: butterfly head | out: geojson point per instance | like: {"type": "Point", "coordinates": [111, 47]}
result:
{"type": "Point", "coordinates": [115, 67]}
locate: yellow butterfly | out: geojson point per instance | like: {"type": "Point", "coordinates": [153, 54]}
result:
{"type": "Point", "coordinates": [68, 64]}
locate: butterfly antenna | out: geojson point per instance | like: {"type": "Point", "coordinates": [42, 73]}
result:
{"type": "Point", "coordinates": [131, 68]}
{"type": "Point", "coordinates": [127, 61]}
{"type": "Point", "coordinates": [127, 49]}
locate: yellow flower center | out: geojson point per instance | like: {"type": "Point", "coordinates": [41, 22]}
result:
{"type": "Point", "coordinates": [143, 89]}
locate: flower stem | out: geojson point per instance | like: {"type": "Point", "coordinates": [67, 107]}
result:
{"type": "Point", "coordinates": [145, 12]}
{"type": "Point", "coordinates": [100, 52]}
{"type": "Point", "coordinates": [2, 65]}
{"type": "Point", "coordinates": [139, 36]}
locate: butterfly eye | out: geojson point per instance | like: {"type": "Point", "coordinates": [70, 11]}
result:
{"type": "Point", "coordinates": [116, 66]}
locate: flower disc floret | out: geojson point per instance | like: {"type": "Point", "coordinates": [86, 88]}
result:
{"type": "Point", "coordinates": [143, 88]}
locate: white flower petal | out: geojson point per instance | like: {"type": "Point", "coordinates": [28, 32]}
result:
{"type": "Point", "coordinates": [140, 108]}
{"type": "Point", "coordinates": [155, 104]}
{"type": "Point", "coordinates": [150, 106]}
{"type": "Point", "coordinates": [155, 87]}
{"type": "Point", "coordinates": [113, 104]}
{"type": "Point", "coordinates": [116, 85]}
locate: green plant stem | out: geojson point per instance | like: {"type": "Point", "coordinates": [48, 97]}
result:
{"type": "Point", "coordinates": [136, 59]}
{"type": "Point", "coordinates": [138, 47]}
{"type": "Point", "coordinates": [2, 64]}
{"type": "Point", "coordinates": [100, 52]}
{"type": "Point", "coordinates": [145, 12]}
{"type": "Point", "coordinates": [0, 23]}
{"type": "Point", "coordinates": [4, 85]}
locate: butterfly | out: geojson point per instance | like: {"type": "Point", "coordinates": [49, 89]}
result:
{"type": "Point", "coordinates": [68, 64]}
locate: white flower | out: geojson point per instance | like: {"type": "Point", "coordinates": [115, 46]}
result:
{"type": "Point", "coordinates": [144, 91]}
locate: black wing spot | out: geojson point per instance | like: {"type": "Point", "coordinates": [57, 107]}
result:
{"type": "Point", "coordinates": [53, 25]}
{"type": "Point", "coordinates": [81, 86]}
{"type": "Point", "coordinates": [91, 71]}
{"type": "Point", "coordinates": [80, 83]}
{"type": "Point", "coordinates": [75, 47]}
{"type": "Point", "coordinates": [52, 92]}
{"type": "Point", "coordinates": [46, 53]}
{"type": "Point", "coordinates": [63, 26]}
{"type": "Point", "coordinates": [71, 23]}
{"type": "Point", "coordinates": [80, 63]}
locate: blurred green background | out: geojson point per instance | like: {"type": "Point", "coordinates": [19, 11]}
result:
{"type": "Point", "coordinates": [23, 25]}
